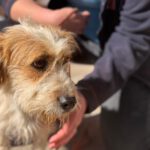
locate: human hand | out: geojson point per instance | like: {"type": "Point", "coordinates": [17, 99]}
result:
{"type": "Point", "coordinates": [64, 135]}
{"type": "Point", "coordinates": [68, 18]}
{"type": "Point", "coordinates": [71, 19]}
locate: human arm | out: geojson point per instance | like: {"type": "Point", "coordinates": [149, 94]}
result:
{"type": "Point", "coordinates": [68, 18]}
{"type": "Point", "coordinates": [29, 8]}
{"type": "Point", "coordinates": [125, 52]}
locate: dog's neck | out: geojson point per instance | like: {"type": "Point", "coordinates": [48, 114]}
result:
{"type": "Point", "coordinates": [8, 106]}
{"type": "Point", "coordinates": [19, 127]}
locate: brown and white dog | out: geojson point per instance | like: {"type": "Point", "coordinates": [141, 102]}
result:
{"type": "Point", "coordinates": [36, 91]}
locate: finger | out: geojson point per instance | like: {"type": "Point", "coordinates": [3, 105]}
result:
{"type": "Point", "coordinates": [63, 141]}
{"type": "Point", "coordinates": [66, 139]}
{"type": "Point", "coordinates": [70, 11]}
{"type": "Point", "coordinates": [60, 134]}
{"type": "Point", "coordinates": [67, 128]}
{"type": "Point", "coordinates": [85, 13]}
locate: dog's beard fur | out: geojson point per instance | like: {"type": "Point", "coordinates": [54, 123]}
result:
{"type": "Point", "coordinates": [40, 100]}
{"type": "Point", "coordinates": [29, 96]}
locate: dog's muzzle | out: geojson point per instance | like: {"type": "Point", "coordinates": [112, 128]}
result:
{"type": "Point", "coordinates": [67, 103]}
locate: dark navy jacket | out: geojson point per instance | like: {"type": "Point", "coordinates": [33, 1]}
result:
{"type": "Point", "coordinates": [126, 55]}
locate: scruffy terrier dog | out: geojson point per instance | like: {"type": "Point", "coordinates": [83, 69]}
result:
{"type": "Point", "coordinates": [36, 91]}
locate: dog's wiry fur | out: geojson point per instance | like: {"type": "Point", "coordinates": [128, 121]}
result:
{"type": "Point", "coordinates": [29, 106]}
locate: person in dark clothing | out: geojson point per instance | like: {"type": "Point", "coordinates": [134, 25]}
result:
{"type": "Point", "coordinates": [125, 65]}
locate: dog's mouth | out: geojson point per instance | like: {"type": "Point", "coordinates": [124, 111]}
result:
{"type": "Point", "coordinates": [52, 119]}
{"type": "Point", "coordinates": [66, 105]}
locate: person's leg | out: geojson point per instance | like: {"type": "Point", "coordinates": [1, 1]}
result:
{"type": "Point", "coordinates": [127, 128]}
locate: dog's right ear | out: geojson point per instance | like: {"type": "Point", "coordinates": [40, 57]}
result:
{"type": "Point", "coordinates": [3, 71]}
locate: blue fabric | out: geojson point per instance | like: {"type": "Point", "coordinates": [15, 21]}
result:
{"type": "Point", "coordinates": [93, 6]}
{"type": "Point", "coordinates": [6, 4]}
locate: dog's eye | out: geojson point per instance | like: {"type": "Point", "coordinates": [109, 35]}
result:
{"type": "Point", "coordinates": [40, 64]}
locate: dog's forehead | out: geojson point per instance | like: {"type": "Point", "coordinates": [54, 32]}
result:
{"type": "Point", "coordinates": [50, 35]}
{"type": "Point", "coordinates": [34, 40]}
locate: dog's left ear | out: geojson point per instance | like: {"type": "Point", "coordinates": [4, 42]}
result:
{"type": "Point", "coordinates": [3, 71]}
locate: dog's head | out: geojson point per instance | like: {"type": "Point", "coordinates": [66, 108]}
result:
{"type": "Point", "coordinates": [34, 70]}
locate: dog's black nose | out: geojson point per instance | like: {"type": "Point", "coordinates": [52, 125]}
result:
{"type": "Point", "coordinates": [67, 103]}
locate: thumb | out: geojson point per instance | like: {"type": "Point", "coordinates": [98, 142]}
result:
{"type": "Point", "coordinates": [85, 13]}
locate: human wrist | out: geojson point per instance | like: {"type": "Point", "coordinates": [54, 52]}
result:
{"type": "Point", "coordinates": [82, 101]}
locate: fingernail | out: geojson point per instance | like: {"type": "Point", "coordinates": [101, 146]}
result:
{"type": "Point", "coordinates": [52, 145]}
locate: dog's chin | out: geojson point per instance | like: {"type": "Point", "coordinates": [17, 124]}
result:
{"type": "Point", "coordinates": [52, 120]}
